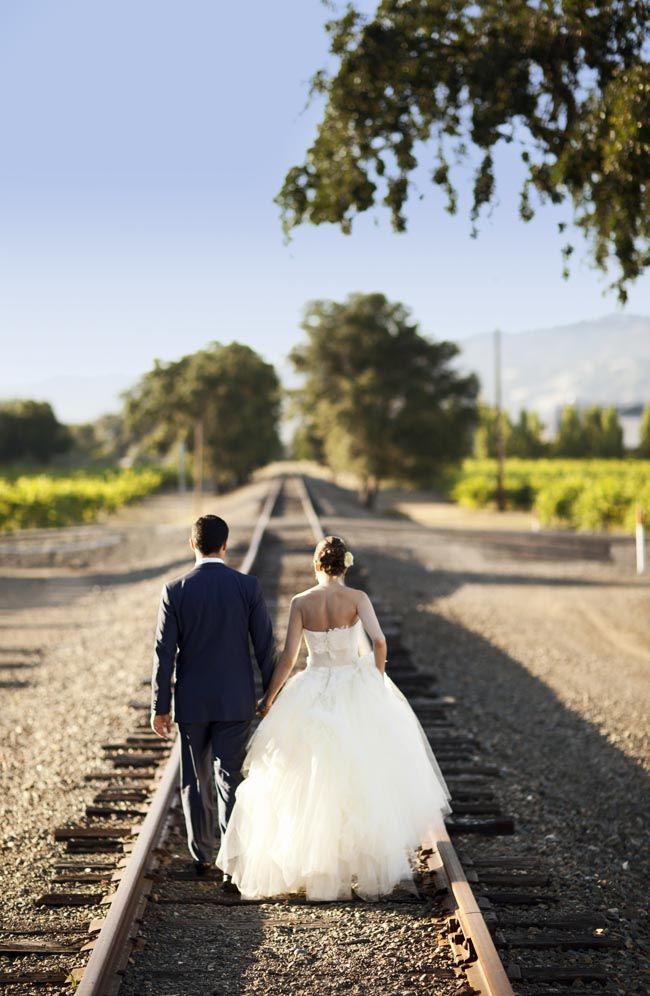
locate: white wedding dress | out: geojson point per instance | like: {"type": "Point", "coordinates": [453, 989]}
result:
{"type": "Point", "coordinates": [341, 784]}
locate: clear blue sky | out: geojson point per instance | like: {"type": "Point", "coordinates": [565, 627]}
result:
{"type": "Point", "coordinates": [142, 145]}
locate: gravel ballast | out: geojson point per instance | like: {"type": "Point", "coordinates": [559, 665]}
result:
{"type": "Point", "coordinates": [76, 640]}
{"type": "Point", "coordinates": [550, 664]}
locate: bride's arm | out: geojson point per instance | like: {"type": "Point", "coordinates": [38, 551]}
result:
{"type": "Point", "coordinates": [368, 617]}
{"type": "Point", "coordinates": [287, 659]}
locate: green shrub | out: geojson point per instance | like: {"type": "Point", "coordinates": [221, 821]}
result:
{"type": "Point", "coordinates": [585, 494]}
{"type": "Point", "coordinates": [42, 500]}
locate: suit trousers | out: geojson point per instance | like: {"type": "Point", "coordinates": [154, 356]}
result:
{"type": "Point", "coordinates": [212, 755]}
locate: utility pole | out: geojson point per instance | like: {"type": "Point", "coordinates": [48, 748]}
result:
{"type": "Point", "coordinates": [501, 445]}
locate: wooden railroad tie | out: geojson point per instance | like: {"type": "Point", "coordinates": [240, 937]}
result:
{"type": "Point", "coordinates": [53, 899]}
{"type": "Point", "coordinates": [555, 940]}
{"type": "Point", "coordinates": [26, 978]}
{"type": "Point", "coordinates": [556, 973]}
{"type": "Point", "coordinates": [489, 825]}
{"type": "Point", "coordinates": [41, 947]}
{"type": "Point", "coordinates": [95, 833]}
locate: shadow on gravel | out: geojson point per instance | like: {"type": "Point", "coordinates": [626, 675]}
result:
{"type": "Point", "coordinates": [179, 565]}
{"type": "Point", "coordinates": [61, 589]}
{"type": "Point", "coordinates": [563, 776]}
{"type": "Point", "coordinates": [576, 797]}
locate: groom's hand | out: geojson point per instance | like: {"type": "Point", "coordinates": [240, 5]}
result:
{"type": "Point", "coordinates": [162, 725]}
{"type": "Point", "coordinates": [263, 706]}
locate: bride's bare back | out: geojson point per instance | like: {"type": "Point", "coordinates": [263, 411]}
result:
{"type": "Point", "coordinates": [330, 606]}
{"type": "Point", "coordinates": [323, 607]}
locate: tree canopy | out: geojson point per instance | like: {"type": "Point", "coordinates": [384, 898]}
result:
{"type": "Point", "coordinates": [383, 400]}
{"type": "Point", "coordinates": [566, 79]}
{"type": "Point", "coordinates": [592, 432]}
{"type": "Point", "coordinates": [102, 440]}
{"type": "Point", "coordinates": [230, 389]}
{"type": "Point", "coordinates": [30, 431]}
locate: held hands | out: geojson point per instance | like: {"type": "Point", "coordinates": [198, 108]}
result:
{"type": "Point", "coordinates": [263, 706]}
{"type": "Point", "coordinates": [162, 726]}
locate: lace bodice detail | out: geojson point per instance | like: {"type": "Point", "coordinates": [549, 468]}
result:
{"type": "Point", "coordinates": [333, 647]}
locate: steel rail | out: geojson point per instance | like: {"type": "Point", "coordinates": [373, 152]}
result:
{"type": "Point", "coordinates": [484, 968]}
{"type": "Point", "coordinates": [113, 936]}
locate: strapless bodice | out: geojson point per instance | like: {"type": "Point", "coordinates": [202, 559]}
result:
{"type": "Point", "coordinates": [333, 647]}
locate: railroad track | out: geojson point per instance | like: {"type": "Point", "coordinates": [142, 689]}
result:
{"type": "Point", "coordinates": [123, 852]}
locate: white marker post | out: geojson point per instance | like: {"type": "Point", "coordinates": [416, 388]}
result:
{"type": "Point", "coordinates": [640, 541]}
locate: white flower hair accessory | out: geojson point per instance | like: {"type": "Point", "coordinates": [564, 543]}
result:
{"type": "Point", "coordinates": [348, 560]}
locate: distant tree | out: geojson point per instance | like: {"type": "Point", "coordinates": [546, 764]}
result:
{"type": "Point", "coordinates": [570, 440]}
{"type": "Point", "coordinates": [611, 434]}
{"type": "Point", "coordinates": [230, 389]}
{"type": "Point", "coordinates": [591, 421]}
{"type": "Point", "coordinates": [568, 81]}
{"type": "Point", "coordinates": [644, 433]}
{"type": "Point", "coordinates": [383, 398]}
{"type": "Point", "coordinates": [102, 440]}
{"type": "Point", "coordinates": [486, 435]}
{"type": "Point", "coordinates": [594, 432]}
{"type": "Point", "coordinates": [602, 432]}
{"type": "Point", "coordinates": [30, 431]}
{"type": "Point", "coordinates": [307, 443]}
{"type": "Point", "coordinates": [525, 438]}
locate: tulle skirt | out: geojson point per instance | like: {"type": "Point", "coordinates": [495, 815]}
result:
{"type": "Point", "coordinates": [341, 786]}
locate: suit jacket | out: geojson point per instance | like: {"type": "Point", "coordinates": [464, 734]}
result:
{"type": "Point", "coordinates": [205, 621]}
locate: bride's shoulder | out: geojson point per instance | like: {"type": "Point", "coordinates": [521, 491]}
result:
{"type": "Point", "coordinates": [362, 602]}
{"type": "Point", "coordinates": [357, 594]}
{"type": "Point", "coordinates": [302, 596]}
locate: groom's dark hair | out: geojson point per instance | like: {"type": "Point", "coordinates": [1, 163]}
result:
{"type": "Point", "coordinates": [209, 534]}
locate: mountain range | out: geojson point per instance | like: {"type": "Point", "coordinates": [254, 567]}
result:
{"type": "Point", "coordinates": [602, 361]}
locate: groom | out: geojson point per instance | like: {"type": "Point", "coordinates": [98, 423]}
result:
{"type": "Point", "coordinates": [204, 623]}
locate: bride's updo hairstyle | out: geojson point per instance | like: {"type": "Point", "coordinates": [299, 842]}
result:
{"type": "Point", "coordinates": [330, 556]}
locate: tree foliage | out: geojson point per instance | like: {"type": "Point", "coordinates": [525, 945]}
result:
{"type": "Point", "coordinates": [567, 79]}
{"type": "Point", "coordinates": [30, 431]}
{"type": "Point", "coordinates": [526, 436]}
{"type": "Point", "coordinates": [523, 438]}
{"type": "Point", "coordinates": [592, 432]}
{"type": "Point", "coordinates": [569, 440]}
{"type": "Point", "coordinates": [383, 399]}
{"type": "Point", "coordinates": [103, 440]}
{"type": "Point", "coordinates": [230, 389]}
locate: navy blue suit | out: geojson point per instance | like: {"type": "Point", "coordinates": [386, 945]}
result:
{"type": "Point", "coordinates": [207, 621]}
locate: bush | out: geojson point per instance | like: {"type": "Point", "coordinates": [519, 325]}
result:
{"type": "Point", "coordinates": [41, 500]}
{"type": "Point", "coordinates": [555, 501]}
{"type": "Point", "coordinates": [586, 494]}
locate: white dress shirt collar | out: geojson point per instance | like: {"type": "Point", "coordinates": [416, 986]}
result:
{"type": "Point", "coordinates": [209, 560]}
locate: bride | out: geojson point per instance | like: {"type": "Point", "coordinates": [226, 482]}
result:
{"type": "Point", "coordinates": [341, 784]}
